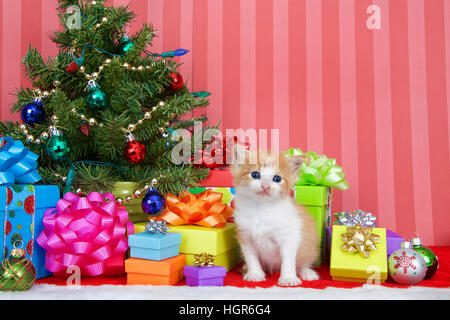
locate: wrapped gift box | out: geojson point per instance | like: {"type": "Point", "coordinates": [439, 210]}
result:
{"type": "Point", "coordinates": [204, 276]}
{"type": "Point", "coordinates": [164, 272]}
{"type": "Point", "coordinates": [345, 266]}
{"type": "Point", "coordinates": [220, 242]}
{"type": "Point", "coordinates": [315, 199]}
{"type": "Point", "coordinates": [22, 210]}
{"type": "Point", "coordinates": [152, 246]}
{"type": "Point", "coordinates": [393, 241]}
{"type": "Point", "coordinates": [218, 178]}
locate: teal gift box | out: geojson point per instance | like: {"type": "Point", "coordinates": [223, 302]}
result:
{"type": "Point", "coordinates": [154, 246]}
{"type": "Point", "coordinates": [22, 209]}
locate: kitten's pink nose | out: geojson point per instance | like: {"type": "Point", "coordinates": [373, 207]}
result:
{"type": "Point", "coordinates": [265, 185]}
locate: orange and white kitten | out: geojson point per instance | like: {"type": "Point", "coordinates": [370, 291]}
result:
{"type": "Point", "coordinates": [274, 232]}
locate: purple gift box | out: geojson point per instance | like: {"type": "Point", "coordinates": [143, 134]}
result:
{"type": "Point", "coordinates": [393, 241]}
{"type": "Point", "coordinates": [204, 276]}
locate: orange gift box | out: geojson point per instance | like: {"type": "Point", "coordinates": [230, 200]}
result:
{"type": "Point", "coordinates": [164, 272]}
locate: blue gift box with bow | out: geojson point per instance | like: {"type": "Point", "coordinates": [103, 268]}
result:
{"type": "Point", "coordinates": [23, 205]}
{"type": "Point", "coordinates": [154, 246]}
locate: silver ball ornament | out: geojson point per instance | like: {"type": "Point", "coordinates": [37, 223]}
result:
{"type": "Point", "coordinates": [406, 266]}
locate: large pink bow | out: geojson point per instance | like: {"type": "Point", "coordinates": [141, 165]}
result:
{"type": "Point", "coordinates": [88, 232]}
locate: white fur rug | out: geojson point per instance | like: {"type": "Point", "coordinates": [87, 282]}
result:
{"type": "Point", "coordinates": [114, 292]}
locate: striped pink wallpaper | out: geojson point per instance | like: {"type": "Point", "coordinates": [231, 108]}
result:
{"type": "Point", "coordinates": [375, 96]}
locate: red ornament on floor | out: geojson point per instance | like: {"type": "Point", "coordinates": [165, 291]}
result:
{"type": "Point", "coordinates": [134, 151]}
{"type": "Point", "coordinates": [177, 82]}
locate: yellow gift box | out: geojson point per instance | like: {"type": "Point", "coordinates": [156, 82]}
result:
{"type": "Point", "coordinates": [220, 242]}
{"type": "Point", "coordinates": [345, 266]}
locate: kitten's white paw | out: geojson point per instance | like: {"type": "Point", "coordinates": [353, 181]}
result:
{"type": "Point", "coordinates": [289, 281]}
{"type": "Point", "coordinates": [308, 274]}
{"type": "Point", "coordinates": [254, 276]}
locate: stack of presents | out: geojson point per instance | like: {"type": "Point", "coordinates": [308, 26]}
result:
{"type": "Point", "coordinates": [194, 238]}
{"type": "Point", "coordinates": [176, 251]}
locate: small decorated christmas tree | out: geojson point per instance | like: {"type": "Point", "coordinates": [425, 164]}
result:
{"type": "Point", "coordinates": [104, 109]}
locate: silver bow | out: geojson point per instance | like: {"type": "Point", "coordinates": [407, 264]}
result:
{"type": "Point", "coordinates": [351, 219]}
{"type": "Point", "coordinates": [155, 226]}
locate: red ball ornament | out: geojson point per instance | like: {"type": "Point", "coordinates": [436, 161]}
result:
{"type": "Point", "coordinates": [72, 67]}
{"type": "Point", "coordinates": [176, 83]}
{"type": "Point", "coordinates": [134, 151]}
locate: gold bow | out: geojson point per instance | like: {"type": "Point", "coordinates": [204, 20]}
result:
{"type": "Point", "coordinates": [360, 239]}
{"type": "Point", "coordinates": [204, 260]}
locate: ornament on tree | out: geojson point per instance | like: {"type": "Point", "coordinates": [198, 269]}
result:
{"type": "Point", "coordinates": [176, 82]}
{"type": "Point", "coordinates": [126, 45]}
{"type": "Point", "coordinates": [85, 128]}
{"type": "Point", "coordinates": [57, 146]}
{"type": "Point", "coordinates": [74, 65]}
{"type": "Point", "coordinates": [428, 255]}
{"type": "Point", "coordinates": [134, 151]}
{"type": "Point", "coordinates": [33, 113]}
{"type": "Point", "coordinates": [17, 273]}
{"type": "Point", "coordinates": [153, 202]}
{"type": "Point", "coordinates": [406, 266]}
{"type": "Point", "coordinates": [166, 136]}
{"type": "Point", "coordinates": [96, 98]}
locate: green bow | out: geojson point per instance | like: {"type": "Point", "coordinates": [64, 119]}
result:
{"type": "Point", "coordinates": [318, 170]}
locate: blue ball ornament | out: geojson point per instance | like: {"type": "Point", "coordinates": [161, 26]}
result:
{"type": "Point", "coordinates": [153, 202]}
{"type": "Point", "coordinates": [33, 113]}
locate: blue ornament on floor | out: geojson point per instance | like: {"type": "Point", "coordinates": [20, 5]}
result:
{"type": "Point", "coordinates": [153, 202]}
{"type": "Point", "coordinates": [33, 113]}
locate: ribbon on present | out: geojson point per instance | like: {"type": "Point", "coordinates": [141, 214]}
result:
{"type": "Point", "coordinates": [157, 227]}
{"type": "Point", "coordinates": [204, 260]}
{"type": "Point", "coordinates": [318, 170]}
{"type": "Point", "coordinates": [17, 164]}
{"type": "Point", "coordinates": [88, 232]}
{"type": "Point", "coordinates": [205, 209]}
{"type": "Point", "coordinates": [358, 217]}
{"type": "Point", "coordinates": [360, 239]}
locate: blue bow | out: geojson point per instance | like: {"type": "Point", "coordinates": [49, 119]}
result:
{"type": "Point", "coordinates": [17, 163]}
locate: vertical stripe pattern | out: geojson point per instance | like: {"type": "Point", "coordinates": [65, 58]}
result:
{"type": "Point", "coordinates": [373, 94]}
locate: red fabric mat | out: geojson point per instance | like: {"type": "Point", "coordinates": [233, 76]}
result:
{"type": "Point", "coordinates": [440, 280]}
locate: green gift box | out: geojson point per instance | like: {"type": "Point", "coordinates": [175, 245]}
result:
{"type": "Point", "coordinates": [317, 200]}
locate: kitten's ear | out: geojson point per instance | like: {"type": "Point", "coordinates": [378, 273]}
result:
{"type": "Point", "coordinates": [295, 162]}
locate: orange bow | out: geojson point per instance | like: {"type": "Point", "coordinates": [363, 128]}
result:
{"type": "Point", "coordinates": [205, 209]}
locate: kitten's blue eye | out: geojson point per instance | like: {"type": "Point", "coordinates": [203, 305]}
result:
{"type": "Point", "coordinates": [277, 179]}
{"type": "Point", "coordinates": [255, 175]}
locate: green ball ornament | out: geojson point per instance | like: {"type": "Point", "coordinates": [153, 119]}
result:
{"type": "Point", "coordinates": [58, 147]}
{"type": "Point", "coordinates": [428, 255]}
{"type": "Point", "coordinates": [126, 45]}
{"type": "Point", "coordinates": [17, 273]}
{"type": "Point", "coordinates": [97, 98]}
